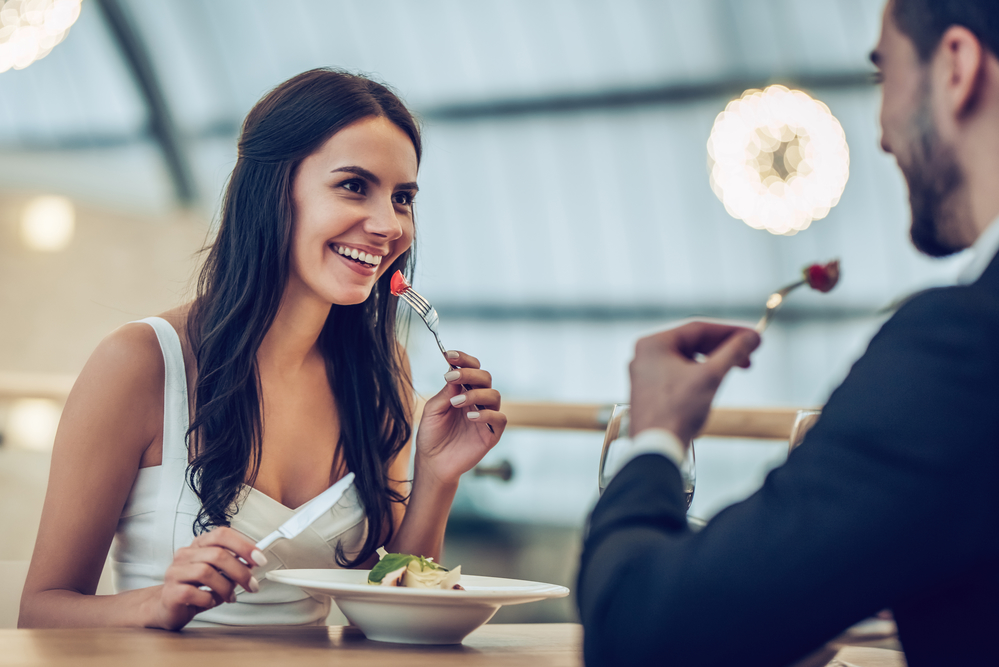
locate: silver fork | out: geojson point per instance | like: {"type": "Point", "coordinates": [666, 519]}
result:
{"type": "Point", "coordinates": [429, 316]}
{"type": "Point", "coordinates": [774, 302]}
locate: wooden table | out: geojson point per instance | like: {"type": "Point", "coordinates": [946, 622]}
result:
{"type": "Point", "coordinates": [537, 645]}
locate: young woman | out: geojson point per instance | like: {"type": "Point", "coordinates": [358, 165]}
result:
{"type": "Point", "coordinates": [191, 436]}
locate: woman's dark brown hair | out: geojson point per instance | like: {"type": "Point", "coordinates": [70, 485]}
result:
{"type": "Point", "coordinates": [239, 290]}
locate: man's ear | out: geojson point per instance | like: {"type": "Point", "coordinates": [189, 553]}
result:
{"type": "Point", "coordinates": [960, 63]}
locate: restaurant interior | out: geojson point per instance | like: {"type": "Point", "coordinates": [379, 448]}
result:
{"type": "Point", "coordinates": [574, 161]}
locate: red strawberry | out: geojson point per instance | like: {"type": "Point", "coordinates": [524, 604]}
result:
{"type": "Point", "coordinates": [822, 277]}
{"type": "Point", "coordinates": [399, 283]}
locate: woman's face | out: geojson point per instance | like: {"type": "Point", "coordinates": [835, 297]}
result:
{"type": "Point", "coordinates": [353, 211]}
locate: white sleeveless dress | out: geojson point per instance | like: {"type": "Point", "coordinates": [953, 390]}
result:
{"type": "Point", "coordinates": [159, 515]}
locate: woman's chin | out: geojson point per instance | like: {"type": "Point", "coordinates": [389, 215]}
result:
{"type": "Point", "coordinates": [352, 297]}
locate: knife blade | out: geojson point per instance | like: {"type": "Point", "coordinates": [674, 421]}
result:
{"type": "Point", "coordinates": [309, 512]}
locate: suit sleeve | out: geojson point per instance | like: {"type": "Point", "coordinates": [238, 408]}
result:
{"type": "Point", "coordinates": [888, 494]}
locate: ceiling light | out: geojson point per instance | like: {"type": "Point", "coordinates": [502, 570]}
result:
{"type": "Point", "coordinates": [47, 223]}
{"type": "Point", "coordinates": [778, 159]}
{"type": "Point", "coordinates": [30, 29]}
{"type": "Point", "coordinates": [32, 423]}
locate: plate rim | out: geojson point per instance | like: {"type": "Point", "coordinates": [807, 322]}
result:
{"type": "Point", "coordinates": [535, 589]}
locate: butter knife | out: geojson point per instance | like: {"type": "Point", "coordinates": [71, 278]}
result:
{"type": "Point", "coordinates": [308, 513]}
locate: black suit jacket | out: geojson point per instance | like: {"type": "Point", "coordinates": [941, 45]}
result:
{"type": "Point", "coordinates": [892, 501]}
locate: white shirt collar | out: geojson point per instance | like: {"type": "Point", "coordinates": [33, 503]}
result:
{"type": "Point", "coordinates": [983, 251]}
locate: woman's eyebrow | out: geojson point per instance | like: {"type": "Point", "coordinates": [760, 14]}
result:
{"type": "Point", "coordinates": [359, 171]}
{"type": "Point", "coordinates": [364, 173]}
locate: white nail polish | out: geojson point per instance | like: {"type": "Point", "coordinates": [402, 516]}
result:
{"type": "Point", "coordinates": [451, 375]}
{"type": "Point", "coordinates": [254, 586]}
{"type": "Point", "coordinates": [473, 415]}
{"type": "Point", "coordinates": [451, 354]}
{"type": "Point", "coordinates": [258, 557]}
{"type": "Point", "coordinates": [458, 400]}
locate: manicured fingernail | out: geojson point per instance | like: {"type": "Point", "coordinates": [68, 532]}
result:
{"type": "Point", "coordinates": [451, 354]}
{"type": "Point", "coordinates": [258, 557]}
{"type": "Point", "coordinates": [473, 415]}
{"type": "Point", "coordinates": [459, 399]}
{"type": "Point", "coordinates": [254, 586]}
{"type": "Point", "coordinates": [451, 376]}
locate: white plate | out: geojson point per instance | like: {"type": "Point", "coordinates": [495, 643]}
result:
{"type": "Point", "coordinates": [416, 615]}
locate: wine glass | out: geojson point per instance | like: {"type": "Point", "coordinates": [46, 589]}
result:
{"type": "Point", "coordinates": [617, 427]}
{"type": "Point", "coordinates": [804, 420]}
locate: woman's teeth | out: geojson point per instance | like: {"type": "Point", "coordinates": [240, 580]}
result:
{"type": "Point", "coordinates": [358, 256]}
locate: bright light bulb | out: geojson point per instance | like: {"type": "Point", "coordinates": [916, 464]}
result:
{"type": "Point", "coordinates": [47, 223]}
{"type": "Point", "coordinates": [32, 423]}
{"type": "Point", "coordinates": [30, 29]}
{"type": "Point", "coordinates": [778, 159]}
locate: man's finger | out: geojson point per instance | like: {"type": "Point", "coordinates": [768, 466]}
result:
{"type": "Point", "coordinates": [702, 337]}
{"type": "Point", "coordinates": [734, 352]}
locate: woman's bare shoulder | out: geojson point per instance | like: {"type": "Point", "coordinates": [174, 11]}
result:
{"type": "Point", "coordinates": [117, 400]}
{"type": "Point", "coordinates": [126, 370]}
{"type": "Point", "coordinates": [127, 360]}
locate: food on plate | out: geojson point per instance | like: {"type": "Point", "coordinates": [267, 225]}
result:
{"type": "Point", "coordinates": [399, 283]}
{"type": "Point", "coordinates": [821, 277]}
{"type": "Point", "coordinates": [412, 572]}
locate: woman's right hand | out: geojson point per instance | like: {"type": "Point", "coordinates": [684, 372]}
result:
{"type": "Point", "coordinates": [205, 575]}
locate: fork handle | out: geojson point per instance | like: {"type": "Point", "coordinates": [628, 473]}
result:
{"type": "Point", "coordinates": [454, 368]}
{"type": "Point", "coordinates": [468, 389]}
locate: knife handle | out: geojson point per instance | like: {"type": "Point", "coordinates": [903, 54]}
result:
{"type": "Point", "coordinates": [268, 541]}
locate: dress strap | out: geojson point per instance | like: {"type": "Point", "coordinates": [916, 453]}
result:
{"type": "Point", "coordinates": [176, 420]}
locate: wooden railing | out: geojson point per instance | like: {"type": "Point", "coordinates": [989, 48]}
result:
{"type": "Point", "coordinates": [758, 423]}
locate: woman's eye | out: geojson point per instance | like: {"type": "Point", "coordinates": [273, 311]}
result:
{"type": "Point", "coordinates": [403, 198]}
{"type": "Point", "coordinates": [353, 186]}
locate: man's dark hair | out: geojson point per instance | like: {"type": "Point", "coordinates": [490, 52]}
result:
{"type": "Point", "coordinates": [925, 21]}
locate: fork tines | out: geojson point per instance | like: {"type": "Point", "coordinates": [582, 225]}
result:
{"type": "Point", "coordinates": [414, 299]}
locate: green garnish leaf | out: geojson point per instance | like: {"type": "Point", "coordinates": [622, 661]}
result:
{"type": "Point", "coordinates": [388, 563]}
{"type": "Point", "coordinates": [392, 562]}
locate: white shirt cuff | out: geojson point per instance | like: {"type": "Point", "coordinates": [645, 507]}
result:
{"type": "Point", "coordinates": [650, 441]}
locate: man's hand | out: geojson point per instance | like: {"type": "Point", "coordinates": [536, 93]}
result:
{"type": "Point", "coordinates": [670, 389]}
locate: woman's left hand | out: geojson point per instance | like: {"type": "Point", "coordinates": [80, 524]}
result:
{"type": "Point", "coordinates": [453, 435]}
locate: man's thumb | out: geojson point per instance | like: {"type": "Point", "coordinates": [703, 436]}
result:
{"type": "Point", "coordinates": [735, 351]}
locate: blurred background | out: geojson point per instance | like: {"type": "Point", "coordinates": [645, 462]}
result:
{"type": "Point", "coordinates": [565, 210]}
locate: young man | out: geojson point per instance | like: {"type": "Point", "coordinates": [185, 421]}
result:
{"type": "Point", "coordinates": [893, 501]}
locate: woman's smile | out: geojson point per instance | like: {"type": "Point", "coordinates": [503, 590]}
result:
{"type": "Point", "coordinates": [359, 261]}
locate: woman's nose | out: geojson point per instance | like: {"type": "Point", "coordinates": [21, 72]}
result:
{"type": "Point", "coordinates": [384, 222]}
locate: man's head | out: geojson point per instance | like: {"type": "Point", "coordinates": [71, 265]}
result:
{"type": "Point", "coordinates": [938, 61]}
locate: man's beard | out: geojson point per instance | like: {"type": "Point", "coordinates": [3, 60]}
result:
{"type": "Point", "coordinates": [935, 180]}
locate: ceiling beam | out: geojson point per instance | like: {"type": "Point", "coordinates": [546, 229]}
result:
{"type": "Point", "coordinates": [634, 97]}
{"type": "Point", "coordinates": [548, 105]}
{"type": "Point", "coordinates": [161, 125]}
{"type": "Point", "coordinates": [594, 313]}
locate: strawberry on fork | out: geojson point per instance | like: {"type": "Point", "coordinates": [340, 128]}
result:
{"type": "Point", "coordinates": [821, 277]}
